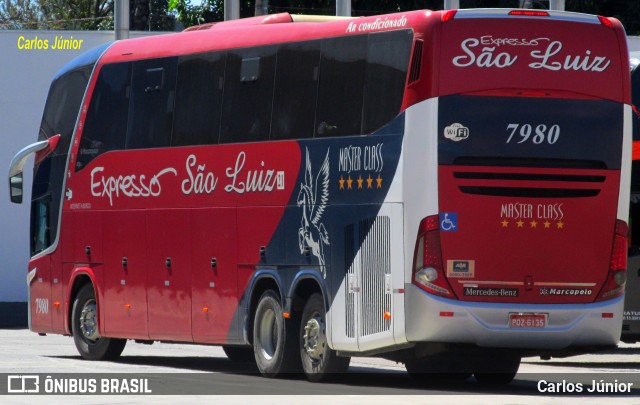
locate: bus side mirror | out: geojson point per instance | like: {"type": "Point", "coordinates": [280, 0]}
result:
{"type": "Point", "coordinates": [15, 188]}
{"type": "Point", "coordinates": [41, 149]}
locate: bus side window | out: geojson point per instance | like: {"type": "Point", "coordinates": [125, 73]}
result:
{"type": "Point", "coordinates": [387, 61]}
{"type": "Point", "coordinates": [198, 99]}
{"type": "Point", "coordinates": [296, 90]}
{"type": "Point", "coordinates": [151, 105]}
{"type": "Point", "coordinates": [248, 99]}
{"type": "Point", "coordinates": [105, 126]}
{"type": "Point", "coordinates": [342, 72]}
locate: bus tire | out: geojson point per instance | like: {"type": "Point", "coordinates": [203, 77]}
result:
{"type": "Point", "coordinates": [502, 371]}
{"type": "Point", "coordinates": [84, 327]}
{"type": "Point", "coordinates": [319, 362]}
{"type": "Point", "coordinates": [239, 354]}
{"type": "Point", "coordinates": [274, 340]}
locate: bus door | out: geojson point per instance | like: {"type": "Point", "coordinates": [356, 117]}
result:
{"type": "Point", "coordinates": [58, 289]}
{"type": "Point", "coordinates": [39, 277]}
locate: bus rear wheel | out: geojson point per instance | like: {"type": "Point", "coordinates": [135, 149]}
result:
{"type": "Point", "coordinates": [319, 362]}
{"type": "Point", "coordinates": [499, 371]}
{"type": "Point", "coordinates": [84, 326]}
{"type": "Point", "coordinates": [274, 339]}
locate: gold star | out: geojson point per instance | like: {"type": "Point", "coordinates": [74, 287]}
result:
{"type": "Point", "coordinates": [505, 223]}
{"type": "Point", "coordinates": [379, 181]}
{"type": "Point", "coordinates": [369, 182]}
{"type": "Point", "coordinates": [341, 181]}
{"type": "Point", "coordinates": [520, 223]}
{"type": "Point", "coordinates": [547, 224]}
{"type": "Point", "coordinates": [560, 225]}
{"type": "Point", "coordinates": [534, 224]}
{"type": "Point", "coordinates": [349, 182]}
{"type": "Point", "coordinates": [360, 181]}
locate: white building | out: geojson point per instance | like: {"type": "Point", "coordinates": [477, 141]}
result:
{"type": "Point", "coordinates": [30, 59]}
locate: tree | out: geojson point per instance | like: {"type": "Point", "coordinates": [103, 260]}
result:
{"type": "Point", "coordinates": [19, 14]}
{"type": "Point", "coordinates": [189, 15]}
{"type": "Point", "coordinates": [147, 15]}
{"type": "Point", "coordinates": [75, 14]}
{"type": "Point", "coordinates": [150, 15]}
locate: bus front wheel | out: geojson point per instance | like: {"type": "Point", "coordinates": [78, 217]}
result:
{"type": "Point", "coordinates": [84, 326]}
{"type": "Point", "coordinates": [274, 338]}
{"type": "Point", "coordinates": [319, 362]}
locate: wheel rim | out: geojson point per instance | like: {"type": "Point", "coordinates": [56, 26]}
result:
{"type": "Point", "coordinates": [314, 338]}
{"type": "Point", "coordinates": [89, 322]}
{"type": "Point", "coordinates": [268, 334]}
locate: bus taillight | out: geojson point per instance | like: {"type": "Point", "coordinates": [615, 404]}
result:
{"type": "Point", "coordinates": [428, 272]}
{"type": "Point", "coordinates": [529, 13]}
{"type": "Point", "coordinates": [617, 277]}
{"type": "Point", "coordinates": [448, 15]}
{"type": "Point", "coordinates": [605, 21]}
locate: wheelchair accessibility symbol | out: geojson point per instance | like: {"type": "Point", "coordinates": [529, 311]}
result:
{"type": "Point", "coordinates": [448, 221]}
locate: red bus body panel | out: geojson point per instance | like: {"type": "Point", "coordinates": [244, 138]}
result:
{"type": "Point", "coordinates": [518, 246]}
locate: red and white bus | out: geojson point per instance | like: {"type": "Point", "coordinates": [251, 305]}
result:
{"type": "Point", "coordinates": [445, 189]}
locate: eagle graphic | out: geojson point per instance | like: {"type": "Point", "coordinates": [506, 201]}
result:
{"type": "Point", "coordinates": [313, 198]}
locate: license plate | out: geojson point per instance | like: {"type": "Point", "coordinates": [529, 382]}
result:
{"type": "Point", "coordinates": [524, 320]}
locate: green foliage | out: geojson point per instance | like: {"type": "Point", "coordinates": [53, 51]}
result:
{"type": "Point", "coordinates": [189, 14]}
{"type": "Point", "coordinates": [74, 14]}
{"type": "Point", "coordinates": [148, 15]}
{"type": "Point", "coordinates": [19, 14]}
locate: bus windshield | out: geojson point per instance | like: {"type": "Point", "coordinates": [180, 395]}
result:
{"type": "Point", "coordinates": [60, 115]}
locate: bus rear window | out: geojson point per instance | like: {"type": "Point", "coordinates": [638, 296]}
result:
{"type": "Point", "coordinates": [475, 130]}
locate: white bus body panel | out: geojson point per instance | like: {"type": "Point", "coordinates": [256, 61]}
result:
{"type": "Point", "coordinates": [373, 285]}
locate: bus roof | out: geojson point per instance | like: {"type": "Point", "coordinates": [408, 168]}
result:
{"type": "Point", "coordinates": [256, 31]}
{"type": "Point", "coordinates": [466, 50]}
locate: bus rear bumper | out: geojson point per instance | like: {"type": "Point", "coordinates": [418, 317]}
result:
{"type": "Point", "coordinates": [434, 319]}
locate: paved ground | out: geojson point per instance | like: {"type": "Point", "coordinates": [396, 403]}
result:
{"type": "Point", "coordinates": [183, 369]}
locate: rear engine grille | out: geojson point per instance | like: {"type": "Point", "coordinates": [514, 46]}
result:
{"type": "Point", "coordinates": [529, 192]}
{"type": "Point", "coordinates": [540, 185]}
{"type": "Point", "coordinates": [529, 176]}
